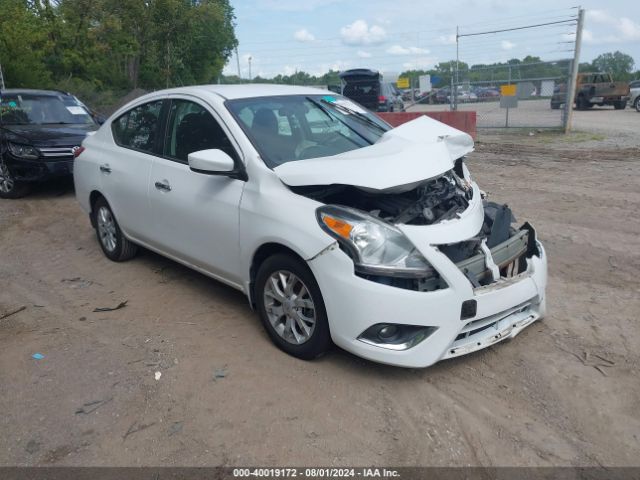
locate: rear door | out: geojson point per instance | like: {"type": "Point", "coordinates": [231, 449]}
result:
{"type": "Point", "coordinates": [194, 216]}
{"type": "Point", "coordinates": [124, 170]}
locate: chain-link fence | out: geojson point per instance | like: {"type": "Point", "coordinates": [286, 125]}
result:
{"type": "Point", "coordinates": [513, 95]}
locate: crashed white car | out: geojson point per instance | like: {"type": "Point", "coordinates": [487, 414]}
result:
{"type": "Point", "coordinates": [338, 228]}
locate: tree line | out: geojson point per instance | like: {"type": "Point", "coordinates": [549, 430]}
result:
{"type": "Point", "coordinates": [114, 45]}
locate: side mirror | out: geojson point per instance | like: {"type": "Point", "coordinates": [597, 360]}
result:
{"type": "Point", "coordinates": [214, 162]}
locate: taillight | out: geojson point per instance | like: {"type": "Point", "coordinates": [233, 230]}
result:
{"type": "Point", "coordinates": [382, 98]}
{"type": "Point", "coordinates": [77, 151]}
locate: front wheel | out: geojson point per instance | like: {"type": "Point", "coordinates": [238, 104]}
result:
{"type": "Point", "coordinates": [114, 244]}
{"type": "Point", "coordinates": [291, 307]}
{"type": "Point", "coordinates": [9, 186]}
{"type": "Point", "coordinates": [636, 104]}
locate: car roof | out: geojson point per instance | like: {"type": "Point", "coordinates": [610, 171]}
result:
{"type": "Point", "coordinates": [248, 90]}
{"type": "Point", "coordinates": [18, 91]}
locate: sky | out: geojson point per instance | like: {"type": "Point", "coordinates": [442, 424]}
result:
{"type": "Point", "coordinates": [285, 36]}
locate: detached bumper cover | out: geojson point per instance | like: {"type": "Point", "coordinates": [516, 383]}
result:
{"type": "Point", "coordinates": [504, 308]}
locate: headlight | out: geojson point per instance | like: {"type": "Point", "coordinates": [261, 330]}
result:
{"type": "Point", "coordinates": [376, 247]}
{"type": "Point", "coordinates": [23, 151]}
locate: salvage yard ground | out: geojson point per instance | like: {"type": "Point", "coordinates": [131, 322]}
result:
{"type": "Point", "coordinates": [564, 392]}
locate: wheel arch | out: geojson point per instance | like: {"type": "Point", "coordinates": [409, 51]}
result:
{"type": "Point", "coordinates": [93, 198]}
{"type": "Point", "coordinates": [263, 252]}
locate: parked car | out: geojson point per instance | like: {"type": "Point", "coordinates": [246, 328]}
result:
{"type": "Point", "coordinates": [634, 94]}
{"type": "Point", "coordinates": [593, 89]}
{"type": "Point", "coordinates": [39, 131]}
{"type": "Point", "coordinates": [366, 87]}
{"type": "Point", "coordinates": [486, 94]}
{"type": "Point", "coordinates": [442, 95]}
{"type": "Point", "coordinates": [336, 227]}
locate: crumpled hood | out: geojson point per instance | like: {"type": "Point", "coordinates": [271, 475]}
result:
{"type": "Point", "coordinates": [409, 154]}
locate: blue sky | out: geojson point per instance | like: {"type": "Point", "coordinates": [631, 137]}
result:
{"type": "Point", "coordinates": [282, 36]}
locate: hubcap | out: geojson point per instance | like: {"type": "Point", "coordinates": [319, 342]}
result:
{"type": "Point", "coordinates": [289, 307]}
{"type": "Point", "coordinates": [107, 229]}
{"type": "Point", "coordinates": [6, 180]}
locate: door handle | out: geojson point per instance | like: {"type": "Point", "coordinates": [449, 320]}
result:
{"type": "Point", "coordinates": [105, 168]}
{"type": "Point", "coordinates": [164, 186]}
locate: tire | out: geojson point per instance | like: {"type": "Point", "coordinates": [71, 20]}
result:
{"type": "Point", "coordinates": [9, 187]}
{"type": "Point", "coordinates": [636, 103]}
{"type": "Point", "coordinates": [620, 105]}
{"type": "Point", "coordinates": [281, 280]}
{"type": "Point", "coordinates": [555, 106]}
{"type": "Point", "coordinates": [111, 239]}
{"type": "Point", "coordinates": [582, 103]}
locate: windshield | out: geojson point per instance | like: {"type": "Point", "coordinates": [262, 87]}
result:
{"type": "Point", "coordinates": [296, 127]}
{"type": "Point", "coordinates": [34, 109]}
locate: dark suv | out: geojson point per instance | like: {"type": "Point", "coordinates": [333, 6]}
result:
{"type": "Point", "coordinates": [40, 130]}
{"type": "Point", "coordinates": [365, 87]}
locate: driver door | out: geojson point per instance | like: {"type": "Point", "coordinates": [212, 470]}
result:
{"type": "Point", "coordinates": [195, 216]}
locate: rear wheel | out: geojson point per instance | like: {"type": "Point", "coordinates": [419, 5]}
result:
{"type": "Point", "coordinates": [291, 307]}
{"type": "Point", "coordinates": [555, 106]}
{"type": "Point", "coordinates": [113, 243]}
{"type": "Point", "coordinates": [9, 186]}
{"type": "Point", "coordinates": [620, 105]}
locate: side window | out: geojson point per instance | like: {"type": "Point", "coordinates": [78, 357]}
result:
{"type": "Point", "coordinates": [192, 128]}
{"type": "Point", "coordinates": [137, 129]}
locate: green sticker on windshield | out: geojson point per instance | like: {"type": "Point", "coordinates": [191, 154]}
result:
{"type": "Point", "coordinates": [13, 104]}
{"type": "Point", "coordinates": [329, 98]}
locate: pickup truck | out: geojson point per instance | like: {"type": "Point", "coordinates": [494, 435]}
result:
{"type": "Point", "coordinates": [593, 89]}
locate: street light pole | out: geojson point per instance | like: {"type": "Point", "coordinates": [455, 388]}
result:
{"type": "Point", "coordinates": [249, 59]}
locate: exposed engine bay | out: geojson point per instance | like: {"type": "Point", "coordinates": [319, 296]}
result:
{"type": "Point", "coordinates": [498, 251]}
{"type": "Point", "coordinates": [433, 201]}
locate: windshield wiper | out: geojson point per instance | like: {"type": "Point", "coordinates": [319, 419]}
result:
{"type": "Point", "coordinates": [356, 114]}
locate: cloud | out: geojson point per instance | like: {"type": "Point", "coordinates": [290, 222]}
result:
{"type": "Point", "coordinates": [363, 54]}
{"type": "Point", "coordinates": [620, 29]}
{"type": "Point", "coordinates": [447, 39]}
{"type": "Point", "coordinates": [303, 35]}
{"type": "Point", "coordinates": [420, 63]}
{"type": "Point", "coordinates": [399, 50]}
{"type": "Point", "coordinates": [359, 33]}
{"type": "Point", "coordinates": [507, 45]}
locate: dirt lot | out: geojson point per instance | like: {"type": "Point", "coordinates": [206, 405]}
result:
{"type": "Point", "coordinates": [564, 392]}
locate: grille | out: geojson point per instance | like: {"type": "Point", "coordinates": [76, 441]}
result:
{"type": "Point", "coordinates": [478, 326]}
{"type": "Point", "coordinates": [57, 153]}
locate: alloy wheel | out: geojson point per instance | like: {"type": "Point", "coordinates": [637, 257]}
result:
{"type": "Point", "coordinates": [289, 307]}
{"type": "Point", "coordinates": [6, 179]}
{"type": "Point", "coordinates": [107, 229]}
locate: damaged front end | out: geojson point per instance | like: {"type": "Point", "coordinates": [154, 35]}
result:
{"type": "Point", "coordinates": [497, 251]}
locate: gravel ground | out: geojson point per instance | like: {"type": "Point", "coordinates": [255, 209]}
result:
{"type": "Point", "coordinates": [564, 392]}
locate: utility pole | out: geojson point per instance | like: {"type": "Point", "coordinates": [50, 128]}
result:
{"type": "Point", "coordinates": [249, 59]}
{"type": "Point", "coordinates": [238, 62]}
{"type": "Point", "coordinates": [575, 64]}
{"type": "Point", "coordinates": [1, 78]}
{"type": "Point", "coordinates": [455, 95]}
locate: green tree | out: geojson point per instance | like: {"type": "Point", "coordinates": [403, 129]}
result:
{"type": "Point", "coordinates": [618, 64]}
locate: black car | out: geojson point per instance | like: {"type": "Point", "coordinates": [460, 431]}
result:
{"type": "Point", "coordinates": [366, 87]}
{"type": "Point", "coordinates": [40, 131]}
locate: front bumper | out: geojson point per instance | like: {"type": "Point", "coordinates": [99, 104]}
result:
{"type": "Point", "coordinates": [39, 170]}
{"type": "Point", "coordinates": [354, 304]}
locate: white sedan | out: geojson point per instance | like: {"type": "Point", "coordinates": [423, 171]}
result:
{"type": "Point", "coordinates": [338, 228]}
